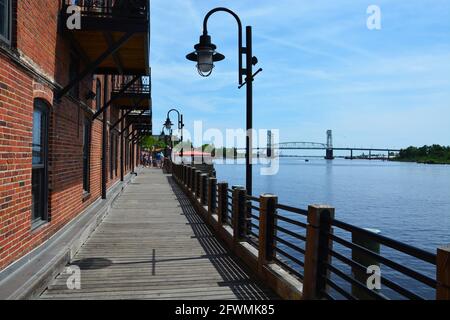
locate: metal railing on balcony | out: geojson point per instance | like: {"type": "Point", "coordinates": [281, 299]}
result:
{"type": "Point", "coordinates": [141, 86]}
{"type": "Point", "coordinates": [112, 8]}
{"type": "Point", "coordinates": [330, 258]}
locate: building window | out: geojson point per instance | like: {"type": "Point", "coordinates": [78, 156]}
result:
{"type": "Point", "coordinates": [86, 154]}
{"type": "Point", "coordinates": [39, 162]}
{"type": "Point", "coordinates": [5, 20]}
{"type": "Point", "coordinates": [98, 95]}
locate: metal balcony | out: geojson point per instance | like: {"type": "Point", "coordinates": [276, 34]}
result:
{"type": "Point", "coordinates": [114, 35]}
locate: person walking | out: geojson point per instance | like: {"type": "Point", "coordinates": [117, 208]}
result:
{"type": "Point", "coordinates": [158, 159]}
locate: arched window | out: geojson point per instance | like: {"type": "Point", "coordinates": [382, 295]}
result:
{"type": "Point", "coordinates": [98, 95]}
{"type": "Point", "coordinates": [40, 162]}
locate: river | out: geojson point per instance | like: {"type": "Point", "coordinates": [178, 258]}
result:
{"type": "Point", "coordinates": [406, 201]}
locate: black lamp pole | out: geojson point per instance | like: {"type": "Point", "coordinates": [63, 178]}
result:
{"type": "Point", "coordinates": [205, 55]}
{"type": "Point", "coordinates": [163, 137]}
{"type": "Point", "coordinates": [169, 124]}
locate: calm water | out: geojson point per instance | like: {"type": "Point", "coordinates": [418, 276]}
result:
{"type": "Point", "coordinates": [406, 201]}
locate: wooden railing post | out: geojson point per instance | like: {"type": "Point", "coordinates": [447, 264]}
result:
{"type": "Point", "coordinates": [222, 202]}
{"type": "Point", "coordinates": [267, 211]}
{"type": "Point", "coordinates": [193, 180]}
{"type": "Point", "coordinates": [443, 273]}
{"type": "Point", "coordinates": [190, 178]}
{"type": "Point", "coordinates": [318, 245]}
{"type": "Point", "coordinates": [238, 213]}
{"type": "Point", "coordinates": [198, 177]}
{"type": "Point", "coordinates": [204, 189]}
{"type": "Point", "coordinates": [212, 195]}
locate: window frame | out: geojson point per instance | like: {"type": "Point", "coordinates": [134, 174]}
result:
{"type": "Point", "coordinates": [8, 23]}
{"type": "Point", "coordinates": [43, 216]}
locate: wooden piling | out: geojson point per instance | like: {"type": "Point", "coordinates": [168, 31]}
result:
{"type": "Point", "coordinates": [364, 260]}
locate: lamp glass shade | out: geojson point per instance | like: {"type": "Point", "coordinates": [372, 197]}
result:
{"type": "Point", "coordinates": [205, 62]}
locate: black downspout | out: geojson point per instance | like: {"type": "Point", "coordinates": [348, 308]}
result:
{"type": "Point", "coordinates": [132, 157]}
{"type": "Point", "coordinates": [104, 139]}
{"type": "Point", "coordinates": [122, 146]}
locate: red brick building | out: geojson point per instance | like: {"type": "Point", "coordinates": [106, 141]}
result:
{"type": "Point", "coordinates": [74, 104]}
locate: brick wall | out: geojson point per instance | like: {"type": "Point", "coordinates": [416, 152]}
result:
{"type": "Point", "coordinates": [27, 72]}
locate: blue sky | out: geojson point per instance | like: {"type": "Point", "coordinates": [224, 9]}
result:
{"type": "Point", "coordinates": [323, 69]}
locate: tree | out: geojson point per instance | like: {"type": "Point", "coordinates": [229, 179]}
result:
{"type": "Point", "coordinates": [150, 141]}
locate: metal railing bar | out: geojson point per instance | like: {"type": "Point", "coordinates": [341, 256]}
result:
{"type": "Point", "coordinates": [394, 265]}
{"type": "Point", "coordinates": [254, 226]}
{"type": "Point", "coordinates": [349, 279]}
{"type": "Point", "coordinates": [344, 293]}
{"type": "Point", "coordinates": [293, 234]}
{"type": "Point", "coordinates": [252, 198]}
{"type": "Point", "coordinates": [327, 295]}
{"type": "Point", "coordinates": [291, 221]}
{"type": "Point", "coordinates": [394, 244]}
{"type": "Point", "coordinates": [252, 242]}
{"type": "Point", "coordinates": [290, 245]}
{"type": "Point", "coordinates": [290, 257]}
{"type": "Point", "coordinates": [253, 234]}
{"type": "Point", "coordinates": [387, 282]}
{"type": "Point", "coordinates": [292, 209]}
{"type": "Point", "coordinates": [289, 268]}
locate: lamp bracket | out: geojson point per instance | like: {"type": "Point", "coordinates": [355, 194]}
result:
{"type": "Point", "coordinates": [253, 77]}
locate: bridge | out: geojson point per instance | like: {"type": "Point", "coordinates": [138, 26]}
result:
{"type": "Point", "coordinates": [328, 147]}
{"type": "Point", "coordinates": [272, 148]}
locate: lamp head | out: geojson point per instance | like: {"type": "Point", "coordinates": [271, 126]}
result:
{"type": "Point", "coordinates": [168, 124]}
{"type": "Point", "coordinates": [205, 55]}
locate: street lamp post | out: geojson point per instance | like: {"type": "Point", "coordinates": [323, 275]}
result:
{"type": "Point", "coordinates": [163, 137]}
{"type": "Point", "coordinates": [168, 124]}
{"type": "Point", "coordinates": [205, 55]}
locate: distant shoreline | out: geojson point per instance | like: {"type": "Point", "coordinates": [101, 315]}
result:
{"type": "Point", "coordinates": [429, 161]}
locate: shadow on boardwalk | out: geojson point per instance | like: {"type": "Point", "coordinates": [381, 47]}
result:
{"type": "Point", "coordinates": [153, 245]}
{"type": "Point", "coordinates": [233, 273]}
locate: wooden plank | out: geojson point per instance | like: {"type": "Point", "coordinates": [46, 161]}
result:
{"type": "Point", "coordinates": [153, 245]}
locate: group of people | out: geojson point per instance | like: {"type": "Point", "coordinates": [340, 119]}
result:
{"type": "Point", "coordinates": [152, 159]}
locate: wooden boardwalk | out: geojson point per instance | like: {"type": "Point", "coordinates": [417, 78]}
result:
{"type": "Point", "coordinates": [152, 245]}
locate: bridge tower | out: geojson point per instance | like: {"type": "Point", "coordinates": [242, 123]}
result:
{"type": "Point", "coordinates": [269, 144]}
{"type": "Point", "coordinates": [329, 151]}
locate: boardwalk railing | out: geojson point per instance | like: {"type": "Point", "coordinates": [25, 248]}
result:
{"type": "Point", "coordinates": [309, 254]}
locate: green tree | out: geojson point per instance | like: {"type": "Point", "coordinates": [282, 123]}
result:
{"type": "Point", "coordinates": [150, 141]}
